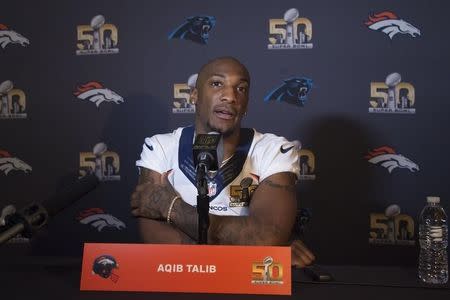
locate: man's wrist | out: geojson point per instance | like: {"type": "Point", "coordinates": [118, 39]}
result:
{"type": "Point", "coordinates": [170, 209]}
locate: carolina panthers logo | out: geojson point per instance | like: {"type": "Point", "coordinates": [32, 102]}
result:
{"type": "Point", "coordinates": [390, 24]}
{"type": "Point", "coordinates": [195, 29]}
{"type": "Point", "coordinates": [9, 163]}
{"type": "Point", "coordinates": [386, 157]}
{"type": "Point", "coordinates": [293, 90]}
{"type": "Point", "coordinates": [8, 36]}
{"type": "Point", "coordinates": [93, 91]}
{"type": "Point", "coordinates": [104, 265]}
{"type": "Point", "coordinates": [98, 219]}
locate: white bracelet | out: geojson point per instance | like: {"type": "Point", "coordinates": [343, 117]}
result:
{"type": "Point", "coordinates": [169, 212]}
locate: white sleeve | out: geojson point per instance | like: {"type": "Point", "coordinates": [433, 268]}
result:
{"type": "Point", "coordinates": [278, 155]}
{"type": "Point", "coordinates": [153, 156]}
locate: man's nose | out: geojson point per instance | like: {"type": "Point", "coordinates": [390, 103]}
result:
{"type": "Point", "coordinates": [228, 94]}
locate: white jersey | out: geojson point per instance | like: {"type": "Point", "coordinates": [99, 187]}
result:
{"type": "Point", "coordinates": [257, 157]}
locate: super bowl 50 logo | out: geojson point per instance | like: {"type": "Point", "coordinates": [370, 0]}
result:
{"type": "Point", "coordinates": [241, 194]}
{"type": "Point", "coordinates": [307, 164]}
{"type": "Point", "coordinates": [12, 101]}
{"type": "Point", "coordinates": [392, 96]}
{"type": "Point", "coordinates": [267, 272]}
{"type": "Point", "coordinates": [103, 163]}
{"type": "Point", "coordinates": [182, 96]}
{"type": "Point", "coordinates": [97, 38]}
{"type": "Point", "coordinates": [391, 228]}
{"type": "Point", "coordinates": [291, 32]}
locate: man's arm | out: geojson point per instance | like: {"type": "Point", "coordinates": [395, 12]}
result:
{"type": "Point", "coordinates": [271, 216]}
{"type": "Point", "coordinates": [148, 190]}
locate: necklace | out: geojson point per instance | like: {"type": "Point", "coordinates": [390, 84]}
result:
{"type": "Point", "coordinates": [225, 161]}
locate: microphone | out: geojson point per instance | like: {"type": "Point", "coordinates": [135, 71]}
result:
{"type": "Point", "coordinates": [35, 215]}
{"type": "Point", "coordinates": [206, 151]}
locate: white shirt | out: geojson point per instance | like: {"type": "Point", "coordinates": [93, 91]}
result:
{"type": "Point", "coordinates": [257, 157]}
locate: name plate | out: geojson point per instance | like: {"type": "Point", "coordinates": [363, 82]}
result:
{"type": "Point", "coordinates": [186, 268]}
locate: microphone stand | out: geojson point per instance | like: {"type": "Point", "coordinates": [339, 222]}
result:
{"type": "Point", "coordinates": [202, 205]}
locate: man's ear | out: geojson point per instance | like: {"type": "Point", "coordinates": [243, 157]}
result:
{"type": "Point", "coordinates": [194, 96]}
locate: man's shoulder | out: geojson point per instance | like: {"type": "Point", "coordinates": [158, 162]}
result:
{"type": "Point", "coordinates": [262, 140]}
{"type": "Point", "coordinates": [168, 137]}
{"type": "Point", "coordinates": [166, 142]}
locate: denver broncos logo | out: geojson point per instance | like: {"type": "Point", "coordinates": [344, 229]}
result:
{"type": "Point", "coordinates": [9, 163]}
{"type": "Point", "coordinates": [104, 265]}
{"type": "Point", "coordinates": [386, 157]}
{"type": "Point", "coordinates": [293, 90]}
{"type": "Point", "coordinates": [95, 92]}
{"type": "Point", "coordinates": [390, 24]}
{"type": "Point", "coordinates": [8, 36]}
{"type": "Point", "coordinates": [195, 29]}
{"type": "Point", "coordinates": [97, 218]}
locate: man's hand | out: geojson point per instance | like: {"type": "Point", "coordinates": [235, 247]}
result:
{"type": "Point", "coordinates": [152, 196]}
{"type": "Point", "coordinates": [301, 255]}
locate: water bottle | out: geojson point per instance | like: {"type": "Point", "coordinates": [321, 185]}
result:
{"type": "Point", "coordinates": [433, 239]}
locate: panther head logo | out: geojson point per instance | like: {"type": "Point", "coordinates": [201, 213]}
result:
{"type": "Point", "coordinates": [98, 219]}
{"type": "Point", "coordinates": [95, 92]}
{"type": "Point", "coordinates": [293, 90]}
{"type": "Point", "coordinates": [386, 157]}
{"type": "Point", "coordinates": [9, 163]}
{"type": "Point", "coordinates": [8, 36]}
{"type": "Point", "coordinates": [390, 24]}
{"type": "Point", "coordinates": [195, 28]}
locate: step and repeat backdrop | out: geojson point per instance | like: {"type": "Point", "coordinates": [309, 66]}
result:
{"type": "Point", "coordinates": [360, 83]}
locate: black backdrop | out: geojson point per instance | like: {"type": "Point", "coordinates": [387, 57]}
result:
{"type": "Point", "coordinates": [343, 193]}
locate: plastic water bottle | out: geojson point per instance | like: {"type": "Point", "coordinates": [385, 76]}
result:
{"type": "Point", "coordinates": [433, 239]}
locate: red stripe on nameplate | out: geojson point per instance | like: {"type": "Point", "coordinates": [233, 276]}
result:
{"type": "Point", "coordinates": [186, 268]}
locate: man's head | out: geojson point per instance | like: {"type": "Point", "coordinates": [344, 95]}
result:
{"type": "Point", "coordinates": [221, 96]}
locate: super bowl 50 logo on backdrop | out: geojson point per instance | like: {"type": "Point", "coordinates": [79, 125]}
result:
{"type": "Point", "coordinates": [105, 164]}
{"type": "Point", "coordinates": [392, 96]}
{"type": "Point", "coordinates": [97, 38]}
{"type": "Point", "coordinates": [8, 37]}
{"type": "Point", "coordinates": [307, 164]}
{"type": "Point", "coordinates": [12, 101]}
{"type": "Point", "coordinates": [391, 227]}
{"type": "Point", "coordinates": [182, 96]}
{"type": "Point", "coordinates": [291, 32]}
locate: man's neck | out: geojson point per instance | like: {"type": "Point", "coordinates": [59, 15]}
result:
{"type": "Point", "coordinates": [230, 143]}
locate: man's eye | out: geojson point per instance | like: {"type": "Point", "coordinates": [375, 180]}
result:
{"type": "Point", "coordinates": [242, 89]}
{"type": "Point", "coordinates": [216, 84]}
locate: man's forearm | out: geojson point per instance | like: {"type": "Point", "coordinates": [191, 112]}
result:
{"type": "Point", "coordinates": [230, 230]}
{"type": "Point", "coordinates": [158, 232]}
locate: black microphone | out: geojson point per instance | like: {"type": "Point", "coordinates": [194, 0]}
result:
{"type": "Point", "coordinates": [35, 215]}
{"type": "Point", "coordinates": [206, 151]}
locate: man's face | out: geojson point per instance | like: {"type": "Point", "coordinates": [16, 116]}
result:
{"type": "Point", "coordinates": [221, 97]}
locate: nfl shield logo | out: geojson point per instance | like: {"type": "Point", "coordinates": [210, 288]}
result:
{"type": "Point", "coordinates": [212, 188]}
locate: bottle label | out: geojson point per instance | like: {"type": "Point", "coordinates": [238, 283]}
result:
{"type": "Point", "coordinates": [436, 233]}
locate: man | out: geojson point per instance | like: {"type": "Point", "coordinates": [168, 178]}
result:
{"type": "Point", "coordinates": [265, 164]}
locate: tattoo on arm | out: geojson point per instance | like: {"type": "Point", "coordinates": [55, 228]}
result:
{"type": "Point", "coordinates": [288, 188]}
{"type": "Point", "coordinates": [185, 218]}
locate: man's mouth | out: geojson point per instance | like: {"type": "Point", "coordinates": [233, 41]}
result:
{"type": "Point", "coordinates": [224, 113]}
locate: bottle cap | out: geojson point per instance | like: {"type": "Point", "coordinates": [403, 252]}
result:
{"type": "Point", "coordinates": [433, 199]}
